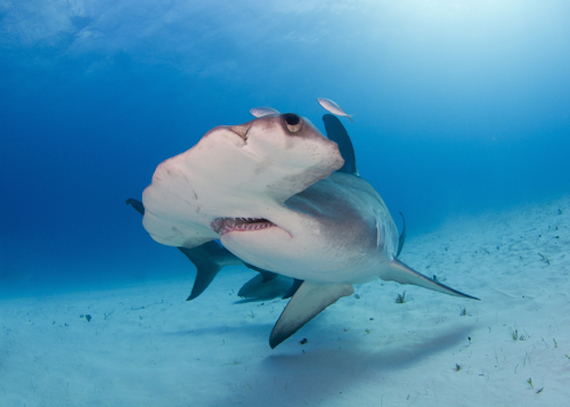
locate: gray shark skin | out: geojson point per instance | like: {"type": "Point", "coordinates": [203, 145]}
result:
{"type": "Point", "coordinates": [270, 191]}
{"type": "Point", "coordinates": [337, 133]}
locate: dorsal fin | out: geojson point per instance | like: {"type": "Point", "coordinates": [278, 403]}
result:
{"type": "Point", "coordinates": [337, 133]}
{"type": "Point", "coordinates": [136, 204]}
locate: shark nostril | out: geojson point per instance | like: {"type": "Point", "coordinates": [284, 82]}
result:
{"type": "Point", "coordinates": [241, 130]}
{"type": "Point", "coordinates": [292, 119]}
{"type": "Point", "coordinates": [293, 122]}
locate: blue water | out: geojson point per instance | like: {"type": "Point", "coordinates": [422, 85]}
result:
{"type": "Point", "coordinates": [460, 107]}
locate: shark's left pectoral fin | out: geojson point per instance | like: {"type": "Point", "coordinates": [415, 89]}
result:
{"type": "Point", "coordinates": [403, 274]}
{"type": "Point", "coordinates": [310, 299]}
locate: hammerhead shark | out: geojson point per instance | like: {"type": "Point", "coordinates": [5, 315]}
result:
{"type": "Point", "coordinates": [281, 198]}
{"type": "Point", "coordinates": [210, 257]}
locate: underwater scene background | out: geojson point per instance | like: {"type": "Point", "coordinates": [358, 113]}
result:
{"type": "Point", "coordinates": [461, 122]}
{"type": "Point", "coordinates": [459, 107]}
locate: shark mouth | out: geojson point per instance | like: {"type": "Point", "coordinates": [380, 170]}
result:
{"type": "Point", "coordinates": [225, 225]}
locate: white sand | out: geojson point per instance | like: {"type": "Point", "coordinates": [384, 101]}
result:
{"type": "Point", "coordinates": [146, 346]}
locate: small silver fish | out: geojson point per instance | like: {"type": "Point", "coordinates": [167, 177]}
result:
{"type": "Point", "coordinates": [333, 107]}
{"type": "Point", "coordinates": [263, 111]}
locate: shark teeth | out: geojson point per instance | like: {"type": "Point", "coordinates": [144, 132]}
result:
{"type": "Point", "coordinates": [225, 225]}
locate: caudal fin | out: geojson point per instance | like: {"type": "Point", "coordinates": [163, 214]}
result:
{"type": "Point", "coordinates": [403, 274]}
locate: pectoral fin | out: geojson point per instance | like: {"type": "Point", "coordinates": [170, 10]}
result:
{"type": "Point", "coordinates": [208, 258]}
{"type": "Point", "coordinates": [403, 274]}
{"type": "Point", "coordinates": [310, 299]}
{"type": "Point", "coordinates": [260, 288]}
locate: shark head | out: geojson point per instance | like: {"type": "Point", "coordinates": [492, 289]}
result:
{"type": "Point", "coordinates": [236, 179]}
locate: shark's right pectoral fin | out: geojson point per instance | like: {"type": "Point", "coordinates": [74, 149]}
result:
{"type": "Point", "coordinates": [208, 258]}
{"type": "Point", "coordinates": [403, 274]}
{"type": "Point", "coordinates": [310, 299]}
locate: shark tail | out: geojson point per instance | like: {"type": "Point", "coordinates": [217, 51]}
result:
{"type": "Point", "coordinates": [403, 274]}
{"type": "Point", "coordinates": [309, 300]}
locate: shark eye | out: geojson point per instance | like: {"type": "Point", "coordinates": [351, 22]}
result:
{"type": "Point", "coordinates": [293, 122]}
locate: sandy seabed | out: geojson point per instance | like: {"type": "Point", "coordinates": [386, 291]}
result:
{"type": "Point", "coordinates": [144, 345]}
